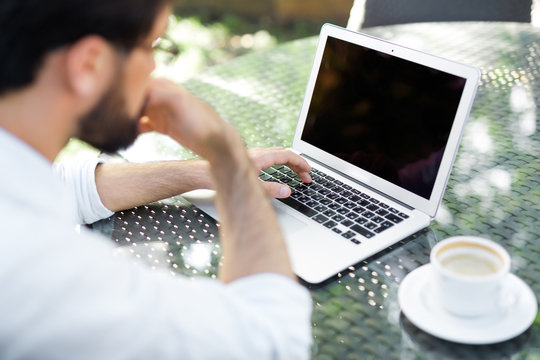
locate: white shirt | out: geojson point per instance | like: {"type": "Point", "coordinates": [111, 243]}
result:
{"type": "Point", "coordinates": [64, 295]}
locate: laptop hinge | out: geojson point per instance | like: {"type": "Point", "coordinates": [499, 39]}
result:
{"type": "Point", "coordinates": [356, 181]}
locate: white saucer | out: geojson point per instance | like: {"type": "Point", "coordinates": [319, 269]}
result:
{"type": "Point", "coordinates": [423, 311]}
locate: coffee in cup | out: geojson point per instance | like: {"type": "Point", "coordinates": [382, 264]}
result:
{"type": "Point", "coordinates": [468, 274]}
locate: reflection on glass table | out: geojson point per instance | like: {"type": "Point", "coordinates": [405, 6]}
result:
{"type": "Point", "coordinates": [493, 190]}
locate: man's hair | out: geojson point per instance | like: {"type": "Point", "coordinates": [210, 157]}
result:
{"type": "Point", "coordinates": [30, 29]}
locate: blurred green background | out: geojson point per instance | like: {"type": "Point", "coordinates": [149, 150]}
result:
{"type": "Point", "coordinates": [203, 33]}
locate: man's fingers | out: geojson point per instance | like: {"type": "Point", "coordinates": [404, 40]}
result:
{"type": "Point", "coordinates": [304, 176]}
{"type": "Point", "coordinates": [265, 158]}
{"type": "Point", "coordinates": [277, 190]}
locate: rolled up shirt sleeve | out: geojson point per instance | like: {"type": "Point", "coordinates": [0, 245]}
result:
{"type": "Point", "coordinates": [263, 316]}
{"type": "Point", "coordinates": [80, 179]}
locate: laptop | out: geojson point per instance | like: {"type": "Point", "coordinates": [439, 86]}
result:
{"type": "Point", "coordinates": [380, 124]}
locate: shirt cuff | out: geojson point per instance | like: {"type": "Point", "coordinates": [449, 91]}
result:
{"type": "Point", "coordinates": [79, 178]}
{"type": "Point", "coordinates": [99, 210]}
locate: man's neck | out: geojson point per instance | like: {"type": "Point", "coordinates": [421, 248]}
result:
{"type": "Point", "coordinates": [34, 117]}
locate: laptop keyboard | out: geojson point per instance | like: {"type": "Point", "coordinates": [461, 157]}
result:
{"type": "Point", "coordinates": [337, 206]}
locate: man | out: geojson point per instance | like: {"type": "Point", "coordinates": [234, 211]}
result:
{"type": "Point", "coordinates": [82, 68]}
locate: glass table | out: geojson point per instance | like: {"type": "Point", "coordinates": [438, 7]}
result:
{"type": "Point", "coordinates": [493, 190]}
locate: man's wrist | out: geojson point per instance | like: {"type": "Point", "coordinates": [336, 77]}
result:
{"type": "Point", "coordinates": [226, 147]}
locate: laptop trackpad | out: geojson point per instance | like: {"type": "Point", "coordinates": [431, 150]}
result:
{"type": "Point", "coordinates": [288, 222]}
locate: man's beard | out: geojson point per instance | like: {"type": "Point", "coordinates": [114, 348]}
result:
{"type": "Point", "coordinates": [107, 126]}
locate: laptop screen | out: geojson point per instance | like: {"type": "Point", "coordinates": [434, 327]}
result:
{"type": "Point", "coordinates": [384, 114]}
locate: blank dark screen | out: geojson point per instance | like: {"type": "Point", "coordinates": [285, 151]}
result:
{"type": "Point", "coordinates": [386, 115]}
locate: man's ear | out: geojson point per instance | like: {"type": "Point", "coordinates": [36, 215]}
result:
{"type": "Point", "coordinates": [89, 66]}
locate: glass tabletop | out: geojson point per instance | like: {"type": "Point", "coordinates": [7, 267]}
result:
{"type": "Point", "coordinates": [493, 190]}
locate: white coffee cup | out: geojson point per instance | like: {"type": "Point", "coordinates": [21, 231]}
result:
{"type": "Point", "coordinates": [468, 275]}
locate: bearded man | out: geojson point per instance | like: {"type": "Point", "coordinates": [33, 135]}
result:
{"type": "Point", "coordinates": [81, 68]}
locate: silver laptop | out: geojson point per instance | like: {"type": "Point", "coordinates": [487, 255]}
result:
{"type": "Point", "coordinates": [381, 125]}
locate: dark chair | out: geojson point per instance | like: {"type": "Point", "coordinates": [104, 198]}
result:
{"type": "Point", "coordinates": [369, 13]}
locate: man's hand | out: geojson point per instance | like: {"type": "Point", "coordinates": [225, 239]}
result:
{"type": "Point", "coordinates": [174, 111]}
{"type": "Point", "coordinates": [251, 236]}
{"type": "Point", "coordinates": [265, 158]}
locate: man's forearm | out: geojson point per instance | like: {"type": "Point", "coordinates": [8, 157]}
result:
{"type": "Point", "coordinates": [251, 237]}
{"type": "Point", "coordinates": [252, 240]}
{"type": "Point", "coordinates": [126, 185]}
